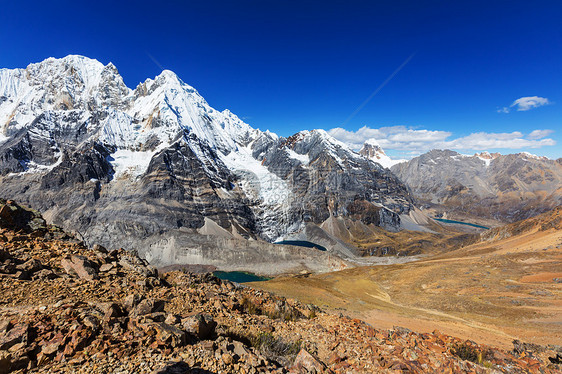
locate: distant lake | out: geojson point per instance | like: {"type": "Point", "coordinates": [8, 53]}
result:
{"type": "Point", "coordinates": [462, 223]}
{"type": "Point", "coordinates": [239, 276]}
{"type": "Point", "coordinates": [302, 243]}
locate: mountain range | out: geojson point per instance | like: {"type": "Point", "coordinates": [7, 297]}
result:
{"type": "Point", "coordinates": [488, 188]}
{"type": "Point", "coordinates": [157, 168]}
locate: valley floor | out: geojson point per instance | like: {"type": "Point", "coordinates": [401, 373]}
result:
{"type": "Point", "coordinates": [491, 292]}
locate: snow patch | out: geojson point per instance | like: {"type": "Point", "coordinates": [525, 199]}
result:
{"type": "Point", "coordinates": [487, 161]}
{"type": "Point", "coordinates": [32, 167]}
{"type": "Point", "coordinates": [127, 163]}
{"type": "Point", "coordinates": [373, 142]}
{"type": "Point", "coordinates": [305, 159]}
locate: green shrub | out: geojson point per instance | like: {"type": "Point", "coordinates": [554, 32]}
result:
{"type": "Point", "coordinates": [250, 307]}
{"type": "Point", "coordinates": [276, 348]}
{"type": "Point", "coordinates": [469, 352]}
{"type": "Point", "coordinates": [283, 311]}
{"type": "Point", "coordinates": [312, 314]}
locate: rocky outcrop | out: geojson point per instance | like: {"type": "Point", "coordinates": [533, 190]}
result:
{"type": "Point", "coordinates": [505, 188]}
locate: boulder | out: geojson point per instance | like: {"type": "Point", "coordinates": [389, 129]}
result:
{"type": "Point", "coordinates": [80, 266]}
{"type": "Point", "coordinates": [200, 325]}
{"type": "Point", "coordinates": [147, 306]}
{"type": "Point", "coordinates": [17, 334]}
{"type": "Point", "coordinates": [131, 301]}
{"type": "Point", "coordinates": [169, 334]}
{"type": "Point", "coordinates": [307, 363]}
{"type": "Point", "coordinates": [132, 262]}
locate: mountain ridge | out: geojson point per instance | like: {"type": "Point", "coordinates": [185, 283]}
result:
{"type": "Point", "coordinates": [502, 188]}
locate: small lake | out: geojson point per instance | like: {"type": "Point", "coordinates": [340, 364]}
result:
{"type": "Point", "coordinates": [302, 243]}
{"type": "Point", "coordinates": [239, 276]}
{"type": "Point", "coordinates": [462, 223]}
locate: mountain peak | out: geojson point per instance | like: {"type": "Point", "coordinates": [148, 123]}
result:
{"type": "Point", "coordinates": [373, 142]}
{"type": "Point", "coordinates": [373, 151]}
{"type": "Point", "coordinates": [86, 68]}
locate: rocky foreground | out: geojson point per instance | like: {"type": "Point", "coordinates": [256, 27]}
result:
{"type": "Point", "coordinates": [67, 308]}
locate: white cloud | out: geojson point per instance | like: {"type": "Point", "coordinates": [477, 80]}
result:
{"type": "Point", "coordinates": [483, 141]}
{"type": "Point", "coordinates": [393, 137]}
{"type": "Point", "coordinates": [539, 134]}
{"type": "Point", "coordinates": [503, 110]}
{"type": "Point", "coordinates": [529, 102]}
{"type": "Point", "coordinates": [416, 141]}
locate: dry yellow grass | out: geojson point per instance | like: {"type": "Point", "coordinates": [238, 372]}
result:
{"type": "Point", "coordinates": [491, 292]}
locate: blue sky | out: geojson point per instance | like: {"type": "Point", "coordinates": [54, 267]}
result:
{"type": "Point", "coordinates": [293, 65]}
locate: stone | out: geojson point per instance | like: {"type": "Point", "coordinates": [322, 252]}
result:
{"type": "Point", "coordinates": [134, 263]}
{"type": "Point", "coordinates": [50, 348]}
{"type": "Point", "coordinates": [169, 334]}
{"type": "Point", "coordinates": [111, 311]}
{"type": "Point", "coordinates": [5, 325]}
{"type": "Point", "coordinates": [240, 349]}
{"type": "Point", "coordinates": [5, 362]}
{"type": "Point", "coordinates": [79, 265]}
{"type": "Point", "coordinates": [172, 319]}
{"type": "Point", "coordinates": [208, 345]}
{"type": "Point", "coordinates": [106, 267]}
{"type": "Point", "coordinates": [44, 274]}
{"type": "Point", "coordinates": [305, 362]}
{"type": "Point", "coordinates": [227, 358]}
{"type": "Point", "coordinates": [200, 325]}
{"type": "Point", "coordinates": [100, 249]}
{"type": "Point", "coordinates": [131, 301]}
{"type": "Point", "coordinates": [91, 322]}
{"type": "Point", "coordinates": [17, 334]}
{"type": "Point", "coordinates": [30, 266]}
{"type": "Point", "coordinates": [147, 306]}
{"type": "Point", "coordinates": [21, 275]}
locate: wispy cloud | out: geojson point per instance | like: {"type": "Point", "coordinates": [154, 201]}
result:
{"type": "Point", "coordinates": [539, 134]}
{"type": "Point", "coordinates": [393, 137]}
{"type": "Point", "coordinates": [416, 141]}
{"type": "Point", "coordinates": [529, 102]}
{"type": "Point", "coordinates": [525, 103]}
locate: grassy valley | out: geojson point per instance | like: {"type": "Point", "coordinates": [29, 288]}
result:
{"type": "Point", "coordinates": [506, 286]}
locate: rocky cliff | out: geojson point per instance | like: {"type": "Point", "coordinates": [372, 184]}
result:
{"type": "Point", "coordinates": [145, 167]}
{"type": "Point", "coordinates": [505, 188]}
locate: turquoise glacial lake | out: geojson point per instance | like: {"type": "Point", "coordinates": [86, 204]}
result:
{"type": "Point", "coordinates": [239, 276]}
{"type": "Point", "coordinates": [302, 243]}
{"type": "Point", "coordinates": [460, 222]}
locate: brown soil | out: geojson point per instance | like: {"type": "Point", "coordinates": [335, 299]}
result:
{"type": "Point", "coordinates": [492, 292]}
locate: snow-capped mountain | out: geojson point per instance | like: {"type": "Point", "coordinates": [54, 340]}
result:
{"type": "Point", "coordinates": [373, 151]}
{"type": "Point", "coordinates": [124, 166]}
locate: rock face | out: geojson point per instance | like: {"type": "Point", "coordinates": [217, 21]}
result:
{"type": "Point", "coordinates": [132, 319]}
{"type": "Point", "coordinates": [506, 188]}
{"type": "Point", "coordinates": [139, 168]}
